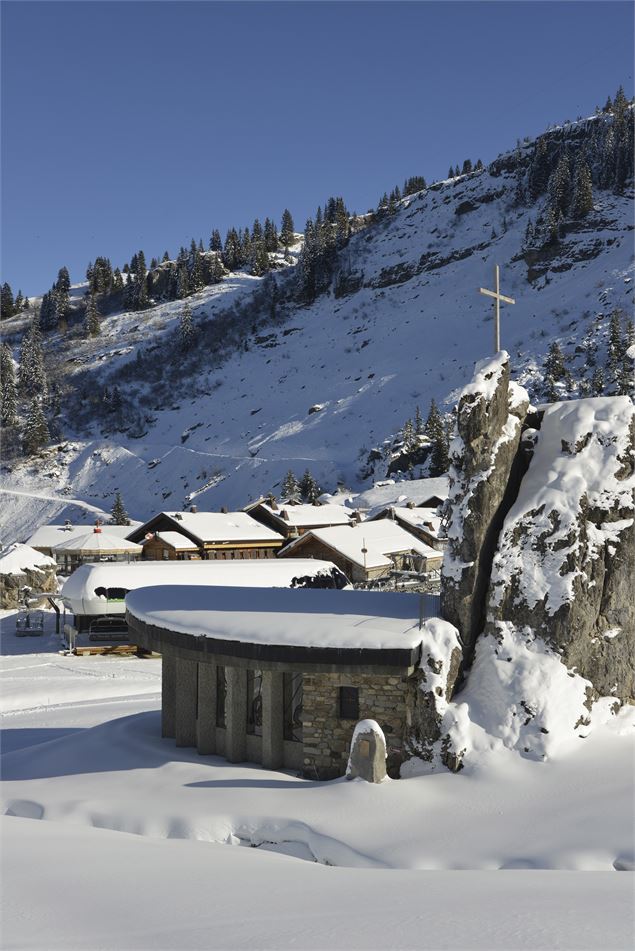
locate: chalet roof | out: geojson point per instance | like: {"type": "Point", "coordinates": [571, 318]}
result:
{"type": "Point", "coordinates": [209, 527]}
{"type": "Point", "coordinates": [419, 491]}
{"type": "Point", "coordinates": [176, 540]}
{"type": "Point", "coordinates": [302, 515]}
{"type": "Point", "coordinates": [380, 538]}
{"type": "Point", "coordinates": [416, 517]}
{"type": "Point", "coordinates": [99, 542]}
{"type": "Point", "coordinates": [48, 536]}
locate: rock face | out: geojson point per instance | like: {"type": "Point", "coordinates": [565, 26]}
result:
{"type": "Point", "coordinates": [486, 467]}
{"type": "Point", "coordinates": [539, 570]}
{"type": "Point", "coordinates": [564, 565]}
{"type": "Point", "coordinates": [430, 691]}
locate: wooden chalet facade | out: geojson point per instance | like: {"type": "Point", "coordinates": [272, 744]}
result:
{"type": "Point", "coordinates": [214, 535]}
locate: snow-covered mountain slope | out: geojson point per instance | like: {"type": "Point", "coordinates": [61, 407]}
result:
{"type": "Point", "coordinates": [327, 382]}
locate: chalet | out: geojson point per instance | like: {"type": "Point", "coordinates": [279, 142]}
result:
{"type": "Point", "coordinates": [292, 519]}
{"type": "Point", "coordinates": [47, 538]}
{"type": "Point", "coordinates": [366, 551]}
{"type": "Point", "coordinates": [170, 546]}
{"type": "Point", "coordinates": [422, 493]}
{"type": "Point", "coordinates": [423, 523]}
{"type": "Point", "coordinates": [95, 545]}
{"type": "Point", "coordinates": [224, 535]}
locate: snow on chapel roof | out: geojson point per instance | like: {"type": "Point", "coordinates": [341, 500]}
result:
{"type": "Point", "coordinates": [306, 618]}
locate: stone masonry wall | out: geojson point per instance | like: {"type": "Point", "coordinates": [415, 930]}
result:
{"type": "Point", "coordinates": [327, 738]}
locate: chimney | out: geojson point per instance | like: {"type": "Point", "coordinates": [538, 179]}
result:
{"type": "Point", "coordinates": [223, 510]}
{"type": "Point", "coordinates": [356, 518]}
{"type": "Point", "coordinates": [273, 505]}
{"type": "Point", "coordinates": [97, 529]}
{"type": "Point", "coordinates": [411, 505]}
{"type": "Point", "coordinates": [285, 515]}
{"type": "Point", "coordinates": [194, 509]}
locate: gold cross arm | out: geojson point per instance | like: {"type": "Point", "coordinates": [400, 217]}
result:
{"type": "Point", "coordinates": [506, 300]}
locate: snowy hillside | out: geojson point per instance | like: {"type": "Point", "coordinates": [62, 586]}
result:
{"type": "Point", "coordinates": [403, 323]}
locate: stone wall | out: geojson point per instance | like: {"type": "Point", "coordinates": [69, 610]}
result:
{"type": "Point", "coordinates": [327, 737]}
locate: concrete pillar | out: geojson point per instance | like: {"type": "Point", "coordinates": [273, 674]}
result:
{"type": "Point", "coordinates": [168, 696]}
{"type": "Point", "coordinates": [236, 715]}
{"type": "Point", "coordinates": [186, 691]}
{"type": "Point", "coordinates": [206, 718]}
{"type": "Point", "coordinates": [272, 719]}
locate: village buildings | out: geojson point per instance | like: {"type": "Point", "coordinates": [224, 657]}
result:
{"type": "Point", "coordinates": [291, 519]}
{"type": "Point", "coordinates": [221, 535]}
{"type": "Point", "coordinates": [367, 551]}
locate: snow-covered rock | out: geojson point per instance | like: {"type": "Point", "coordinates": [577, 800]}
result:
{"type": "Point", "coordinates": [484, 454]}
{"type": "Point", "coordinates": [563, 568]}
{"type": "Point", "coordinates": [22, 566]}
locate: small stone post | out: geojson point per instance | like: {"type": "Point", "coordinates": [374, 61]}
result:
{"type": "Point", "coordinates": [367, 759]}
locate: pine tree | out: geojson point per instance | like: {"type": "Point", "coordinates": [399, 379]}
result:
{"type": "Point", "coordinates": [582, 201]}
{"type": "Point", "coordinates": [290, 488]}
{"type": "Point", "coordinates": [554, 362]}
{"type": "Point", "coordinates": [597, 382]}
{"type": "Point", "coordinates": [186, 328]}
{"type": "Point", "coordinates": [467, 167]}
{"type": "Point", "coordinates": [287, 229]}
{"type": "Point", "coordinates": [118, 511]}
{"type": "Point", "coordinates": [616, 348]}
{"type": "Point", "coordinates": [418, 424]}
{"type": "Point", "coordinates": [7, 305]}
{"type": "Point", "coordinates": [407, 435]}
{"type": "Point", "coordinates": [309, 489]}
{"type": "Point", "coordinates": [32, 375]}
{"type": "Point", "coordinates": [8, 398]}
{"type": "Point", "coordinates": [63, 282]}
{"type": "Point", "coordinates": [92, 324]}
{"type": "Point", "coordinates": [436, 433]}
{"type": "Point", "coordinates": [36, 432]}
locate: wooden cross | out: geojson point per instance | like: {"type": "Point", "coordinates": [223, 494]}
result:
{"type": "Point", "coordinates": [498, 297]}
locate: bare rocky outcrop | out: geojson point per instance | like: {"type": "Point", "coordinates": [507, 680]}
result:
{"type": "Point", "coordinates": [486, 468]}
{"type": "Point", "coordinates": [564, 565]}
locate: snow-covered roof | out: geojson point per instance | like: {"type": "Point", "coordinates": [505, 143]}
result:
{"type": "Point", "coordinates": [209, 527]}
{"type": "Point", "coordinates": [302, 515]}
{"type": "Point", "coordinates": [16, 558]}
{"type": "Point", "coordinates": [98, 541]}
{"type": "Point", "coordinates": [306, 618]}
{"type": "Point", "coordinates": [380, 539]}
{"type": "Point", "coordinates": [176, 540]}
{"type": "Point", "coordinates": [416, 517]}
{"type": "Point", "coordinates": [48, 536]}
{"type": "Point", "coordinates": [253, 573]}
{"type": "Point", "coordinates": [418, 491]}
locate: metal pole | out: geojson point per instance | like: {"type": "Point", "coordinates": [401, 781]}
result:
{"type": "Point", "coordinates": [497, 304]}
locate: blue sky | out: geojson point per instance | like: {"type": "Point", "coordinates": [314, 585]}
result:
{"type": "Point", "coordinates": [143, 124]}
